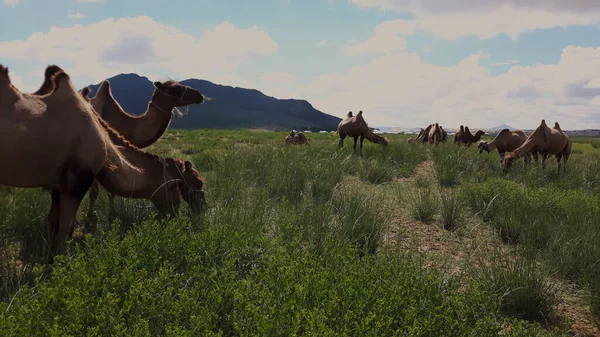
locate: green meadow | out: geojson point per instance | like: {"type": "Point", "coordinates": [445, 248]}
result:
{"type": "Point", "coordinates": [407, 240]}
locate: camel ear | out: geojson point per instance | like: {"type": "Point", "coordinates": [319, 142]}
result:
{"type": "Point", "coordinates": [188, 165]}
{"type": "Point", "coordinates": [86, 91]}
{"type": "Point", "coordinates": [158, 85]}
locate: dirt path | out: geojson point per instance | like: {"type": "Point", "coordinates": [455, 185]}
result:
{"type": "Point", "coordinates": [454, 251]}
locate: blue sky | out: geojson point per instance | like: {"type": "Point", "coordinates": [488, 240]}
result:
{"type": "Point", "coordinates": [404, 63]}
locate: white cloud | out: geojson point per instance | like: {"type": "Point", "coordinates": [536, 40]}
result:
{"type": "Point", "coordinates": [504, 63]}
{"type": "Point", "coordinates": [486, 19]}
{"type": "Point", "coordinates": [398, 89]}
{"type": "Point", "coordinates": [20, 84]}
{"type": "Point", "coordinates": [322, 43]}
{"type": "Point", "coordinates": [386, 38]}
{"type": "Point", "coordinates": [75, 15]}
{"type": "Point", "coordinates": [11, 2]}
{"type": "Point", "coordinates": [100, 50]}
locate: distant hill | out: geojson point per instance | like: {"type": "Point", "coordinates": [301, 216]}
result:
{"type": "Point", "coordinates": [230, 108]}
{"type": "Point", "coordinates": [502, 127]}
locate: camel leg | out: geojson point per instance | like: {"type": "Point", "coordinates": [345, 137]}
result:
{"type": "Point", "coordinates": [544, 157]}
{"type": "Point", "coordinates": [342, 136]}
{"type": "Point", "coordinates": [72, 192]}
{"type": "Point", "coordinates": [111, 207]}
{"type": "Point", "coordinates": [355, 140]}
{"type": "Point", "coordinates": [94, 191]}
{"type": "Point", "coordinates": [361, 144]}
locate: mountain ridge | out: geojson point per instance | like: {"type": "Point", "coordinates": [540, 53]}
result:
{"type": "Point", "coordinates": [230, 107]}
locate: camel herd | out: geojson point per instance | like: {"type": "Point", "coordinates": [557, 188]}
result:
{"type": "Point", "coordinates": [64, 142]}
{"type": "Point", "coordinates": [67, 143]}
{"type": "Point", "coordinates": [543, 140]}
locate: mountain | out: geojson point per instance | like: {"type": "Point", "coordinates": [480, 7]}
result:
{"type": "Point", "coordinates": [502, 127]}
{"type": "Point", "coordinates": [230, 107]}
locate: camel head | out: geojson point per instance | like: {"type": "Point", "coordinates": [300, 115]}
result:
{"type": "Point", "coordinates": [508, 161]}
{"type": "Point", "coordinates": [176, 94]}
{"type": "Point", "coordinates": [483, 146]}
{"type": "Point", "coordinates": [191, 184]}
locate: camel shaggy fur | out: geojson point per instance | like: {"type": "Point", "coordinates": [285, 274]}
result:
{"type": "Point", "coordinates": [355, 127]}
{"type": "Point", "coordinates": [54, 142]}
{"type": "Point", "coordinates": [545, 141]}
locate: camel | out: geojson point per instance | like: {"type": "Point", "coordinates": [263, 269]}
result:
{"type": "Point", "coordinates": [435, 135]}
{"type": "Point", "coordinates": [294, 138]}
{"type": "Point", "coordinates": [144, 130]}
{"type": "Point", "coordinates": [464, 136]}
{"type": "Point", "coordinates": [423, 135]}
{"type": "Point", "coordinates": [355, 127]}
{"type": "Point", "coordinates": [444, 134]}
{"type": "Point", "coordinates": [545, 141]}
{"type": "Point", "coordinates": [163, 181]}
{"type": "Point", "coordinates": [53, 141]}
{"type": "Point", "coordinates": [506, 141]}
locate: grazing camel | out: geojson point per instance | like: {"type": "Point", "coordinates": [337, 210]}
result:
{"type": "Point", "coordinates": [464, 136]}
{"type": "Point", "coordinates": [507, 141]}
{"type": "Point", "coordinates": [355, 127]}
{"type": "Point", "coordinates": [435, 135]}
{"type": "Point", "coordinates": [54, 142]}
{"type": "Point", "coordinates": [163, 181]}
{"type": "Point", "coordinates": [418, 137]}
{"type": "Point", "coordinates": [294, 138]}
{"type": "Point", "coordinates": [545, 141]}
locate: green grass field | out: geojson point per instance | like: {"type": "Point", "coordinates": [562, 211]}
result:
{"type": "Point", "coordinates": [407, 240]}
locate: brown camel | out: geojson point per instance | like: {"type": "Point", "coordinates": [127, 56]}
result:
{"type": "Point", "coordinates": [435, 135]}
{"type": "Point", "coordinates": [507, 141]}
{"type": "Point", "coordinates": [42, 136]}
{"type": "Point", "coordinates": [296, 138]}
{"type": "Point", "coordinates": [545, 141]}
{"type": "Point", "coordinates": [355, 127]}
{"type": "Point", "coordinates": [144, 130]}
{"type": "Point", "coordinates": [444, 134]}
{"type": "Point", "coordinates": [464, 136]}
{"type": "Point", "coordinates": [163, 181]}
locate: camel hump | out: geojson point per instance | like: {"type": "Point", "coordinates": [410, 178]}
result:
{"type": "Point", "coordinates": [543, 122]}
{"type": "Point", "coordinates": [104, 87]}
{"type": "Point", "coordinates": [504, 130]}
{"type": "Point", "coordinates": [462, 128]}
{"type": "Point", "coordinates": [349, 114]}
{"type": "Point", "coordinates": [359, 113]}
{"type": "Point", "coordinates": [52, 70]}
{"type": "Point", "coordinates": [4, 72]}
{"type": "Point", "coordinates": [61, 80]}
{"type": "Point", "coordinates": [556, 125]}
